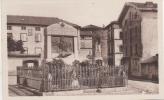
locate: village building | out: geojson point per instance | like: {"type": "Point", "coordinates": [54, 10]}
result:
{"type": "Point", "coordinates": [32, 31]}
{"type": "Point", "coordinates": [115, 45]}
{"type": "Point", "coordinates": [90, 47]}
{"type": "Point", "coordinates": [86, 40]}
{"type": "Point", "coordinates": [140, 37]}
{"type": "Point", "coordinates": [149, 68]}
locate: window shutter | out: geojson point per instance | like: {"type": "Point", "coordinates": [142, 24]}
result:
{"type": "Point", "coordinates": [38, 37]}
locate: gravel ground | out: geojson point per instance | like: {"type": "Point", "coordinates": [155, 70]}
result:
{"type": "Point", "coordinates": [133, 87]}
{"type": "Point", "coordinates": [145, 87]}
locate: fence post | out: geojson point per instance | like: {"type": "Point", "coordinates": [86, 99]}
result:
{"type": "Point", "coordinates": [43, 86]}
{"type": "Point", "coordinates": [99, 77]}
{"type": "Point", "coordinates": [18, 74]}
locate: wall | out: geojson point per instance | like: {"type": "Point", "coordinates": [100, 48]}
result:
{"type": "Point", "coordinates": [149, 69]}
{"type": "Point", "coordinates": [31, 44]}
{"type": "Point", "coordinates": [83, 54]}
{"type": "Point", "coordinates": [131, 27]}
{"type": "Point", "coordinates": [118, 58]}
{"type": "Point", "coordinates": [117, 44]}
{"type": "Point", "coordinates": [149, 34]}
{"type": "Point", "coordinates": [85, 46]}
{"type": "Point", "coordinates": [13, 63]}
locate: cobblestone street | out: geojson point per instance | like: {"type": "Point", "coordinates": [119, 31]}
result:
{"type": "Point", "coordinates": [134, 87]}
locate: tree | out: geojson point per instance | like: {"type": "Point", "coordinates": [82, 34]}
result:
{"type": "Point", "coordinates": [19, 46]}
{"type": "Point", "coordinates": [13, 45]}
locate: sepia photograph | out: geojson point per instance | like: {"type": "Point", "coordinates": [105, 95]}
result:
{"type": "Point", "coordinates": [82, 47]}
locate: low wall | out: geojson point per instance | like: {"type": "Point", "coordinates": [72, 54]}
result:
{"type": "Point", "coordinates": [13, 63]}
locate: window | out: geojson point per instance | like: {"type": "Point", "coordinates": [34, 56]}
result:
{"type": "Point", "coordinates": [121, 48]}
{"type": "Point", "coordinates": [9, 27]}
{"type": "Point", "coordinates": [136, 49]}
{"type": "Point", "coordinates": [136, 32]}
{"type": "Point", "coordinates": [10, 35]}
{"type": "Point", "coordinates": [23, 37]}
{"type": "Point", "coordinates": [29, 32]}
{"type": "Point", "coordinates": [130, 15]}
{"type": "Point", "coordinates": [126, 21]}
{"type": "Point", "coordinates": [121, 35]}
{"type": "Point", "coordinates": [23, 27]}
{"type": "Point", "coordinates": [86, 42]}
{"type": "Point", "coordinates": [38, 50]}
{"type": "Point", "coordinates": [37, 28]}
{"type": "Point", "coordinates": [38, 37]}
{"type": "Point", "coordinates": [86, 37]}
{"type": "Point", "coordinates": [126, 50]}
{"type": "Point", "coordinates": [62, 44]}
{"type": "Point", "coordinates": [82, 44]}
{"type": "Point", "coordinates": [26, 50]}
{"type": "Point", "coordinates": [136, 15]}
{"type": "Point", "coordinates": [81, 37]}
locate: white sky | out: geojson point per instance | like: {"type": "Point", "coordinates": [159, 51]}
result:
{"type": "Point", "coordinates": [81, 12]}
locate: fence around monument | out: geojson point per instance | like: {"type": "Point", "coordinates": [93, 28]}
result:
{"type": "Point", "coordinates": [53, 77]}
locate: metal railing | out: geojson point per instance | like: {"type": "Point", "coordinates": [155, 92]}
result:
{"type": "Point", "coordinates": [52, 77]}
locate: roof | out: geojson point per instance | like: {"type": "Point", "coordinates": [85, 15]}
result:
{"type": "Point", "coordinates": [113, 22]}
{"type": "Point", "coordinates": [143, 5]}
{"type": "Point", "coordinates": [35, 20]}
{"type": "Point", "coordinates": [150, 60]}
{"type": "Point", "coordinates": [147, 6]}
{"type": "Point", "coordinates": [91, 27]}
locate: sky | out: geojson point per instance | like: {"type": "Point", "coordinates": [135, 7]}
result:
{"type": "Point", "coordinates": [80, 12]}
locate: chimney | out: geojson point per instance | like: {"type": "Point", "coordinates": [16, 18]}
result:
{"type": "Point", "coordinates": [149, 4]}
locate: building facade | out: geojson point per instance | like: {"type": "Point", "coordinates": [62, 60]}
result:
{"type": "Point", "coordinates": [31, 36]}
{"type": "Point", "coordinates": [115, 45]}
{"type": "Point", "coordinates": [90, 47]}
{"type": "Point", "coordinates": [32, 32]}
{"type": "Point", "coordinates": [85, 43]}
{"type": "Point", "coordinates": [139, 26]}
{"type": "Point", "coordinates": [149, 68]}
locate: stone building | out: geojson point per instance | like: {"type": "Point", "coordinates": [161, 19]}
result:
{"type": "Point", "coordinates": [31, 30]}
{"type": "Point", "coordinates": [86, 33]}
{"type": "Point", "coordinates": [140, 37]}
{"type": "Point", "coordinates": [149, 68]}
{"type": "Point", "coordinates": [115, 46]}
{"type": "Point", "coordinates": [90, 42]}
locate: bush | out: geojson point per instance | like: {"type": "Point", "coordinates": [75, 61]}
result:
{"type": "Point", "coordinates": [84, 63]}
